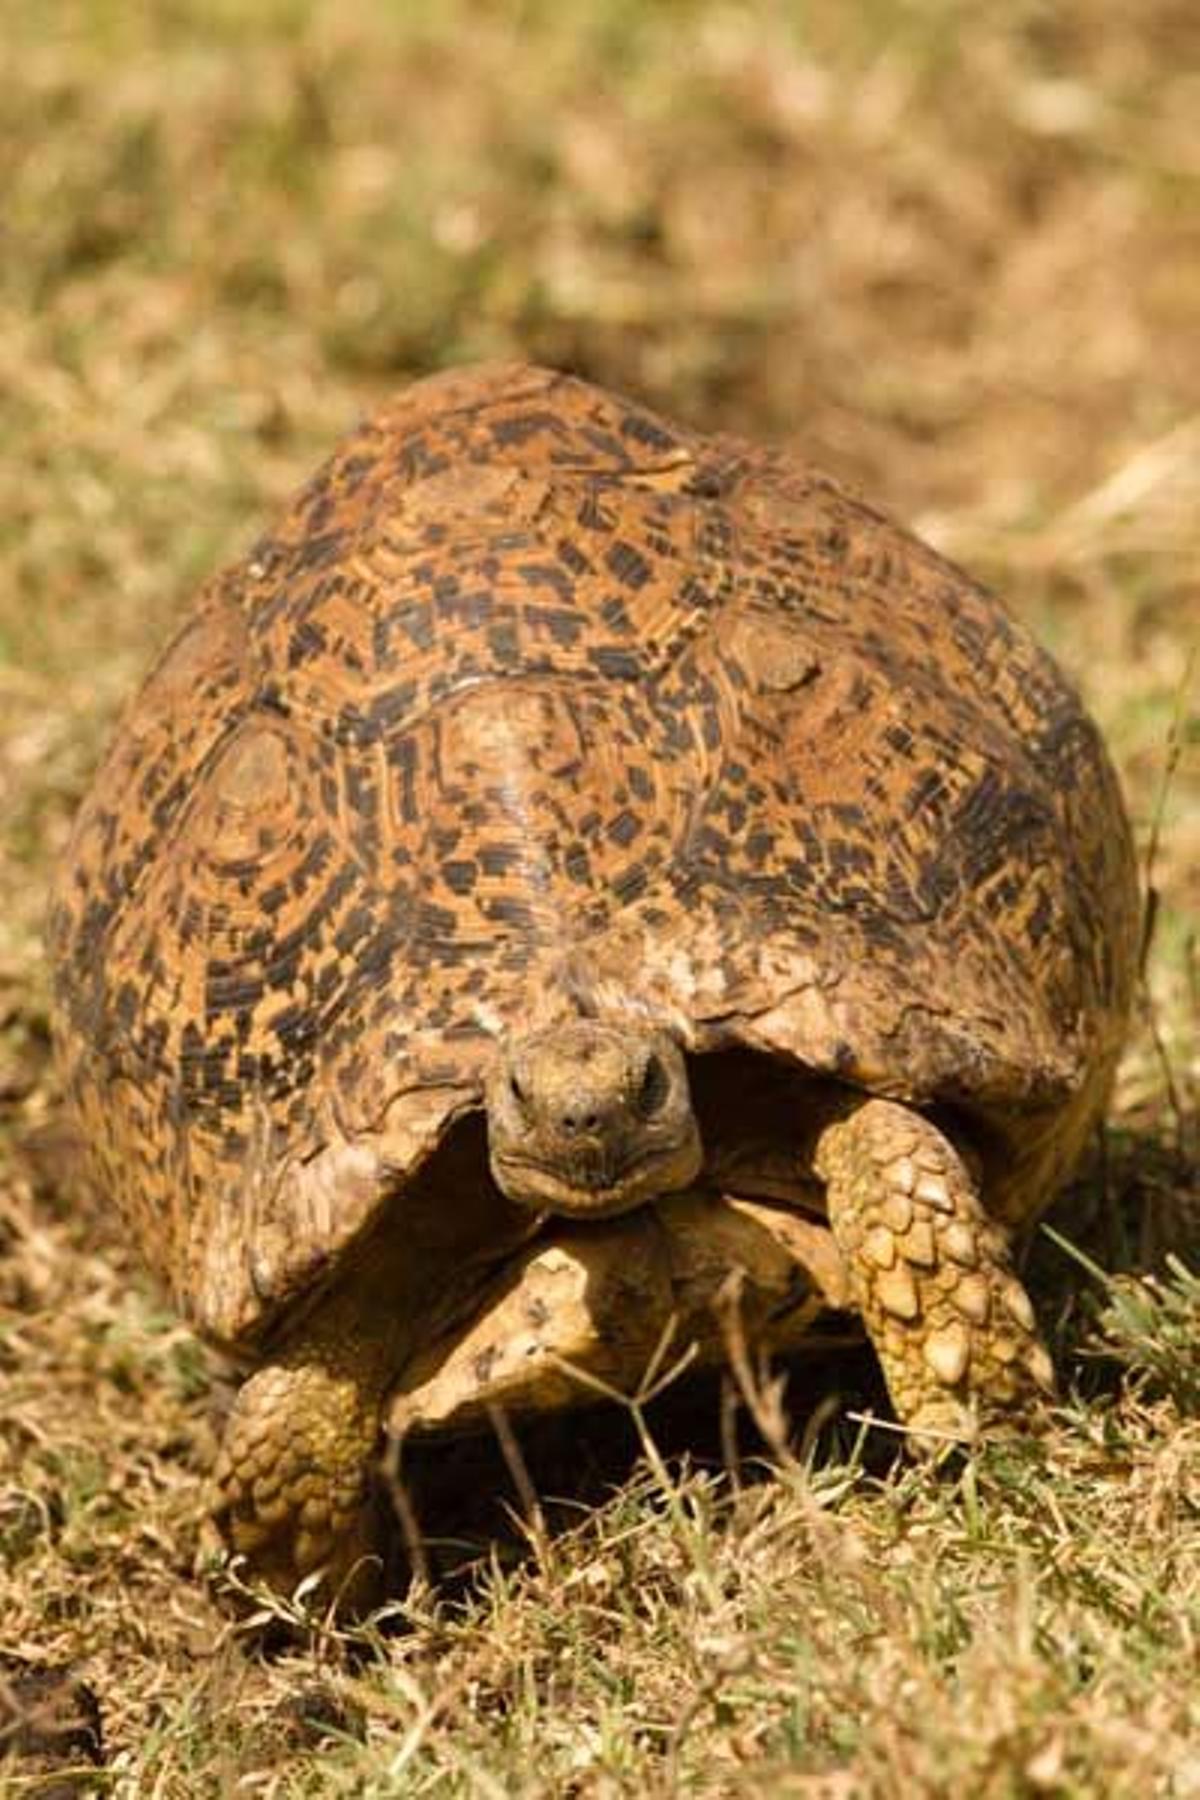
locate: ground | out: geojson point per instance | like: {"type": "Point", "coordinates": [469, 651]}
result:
{"type": "Point", "coordinates": [953, 252]}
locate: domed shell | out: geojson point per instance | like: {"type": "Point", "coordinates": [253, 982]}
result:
{"type": "Point", "coordinates": [533, 701]}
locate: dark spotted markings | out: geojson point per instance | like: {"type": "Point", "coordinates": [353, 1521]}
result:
{"type": "Point", "coordinates": [533, 700]}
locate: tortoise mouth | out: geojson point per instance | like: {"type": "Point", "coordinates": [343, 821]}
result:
{"type": "Point", "coordinates": [595, 1184]}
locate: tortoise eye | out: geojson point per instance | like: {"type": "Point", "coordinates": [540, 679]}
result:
{"type": "Point", "coordinates": [653, 1088]}
{"type": "Point", "coordinates": [516, 1090]}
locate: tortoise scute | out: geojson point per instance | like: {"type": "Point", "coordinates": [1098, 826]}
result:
{"type": "Point", "coordinates": [533, 700]}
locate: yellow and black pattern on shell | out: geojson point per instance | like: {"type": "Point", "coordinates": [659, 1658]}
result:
{"type": "Point", "coordinates": [531, 701]}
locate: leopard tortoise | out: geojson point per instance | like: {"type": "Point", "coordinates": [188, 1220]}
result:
{"type": "Point", "coordinates": [569, 863]}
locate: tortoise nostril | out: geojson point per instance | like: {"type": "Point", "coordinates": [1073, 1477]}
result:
{"type": "Point", "coordinates": [574, 1120]}
{"type": "Point", "coordinates": [580, 1121]}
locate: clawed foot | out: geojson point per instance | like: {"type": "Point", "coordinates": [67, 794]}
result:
{"type": "Point", "coordinates": [932, 1274]}
{"type": "Point", "coordinates": [293, 1490]}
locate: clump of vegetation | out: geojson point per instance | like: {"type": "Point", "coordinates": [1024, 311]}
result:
{"type": "Point", "coordinates": [1151, 1325]}
{"type": "Point", "coordinates": [953, 253]}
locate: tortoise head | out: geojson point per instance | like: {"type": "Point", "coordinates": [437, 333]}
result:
{"type": "Point", "coordinates": [591, 1119]}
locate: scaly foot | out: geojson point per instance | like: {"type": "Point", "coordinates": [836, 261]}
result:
{"type": "Point", "coordinates": [930, 1271]}
{"type": "Point", "coordinates": [294, 1483]}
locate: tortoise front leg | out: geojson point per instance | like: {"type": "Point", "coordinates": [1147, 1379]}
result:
{"type": "Point", "coordinates": [294, 1484]}
{"type": "Point", "coordinates": [930, 1272]}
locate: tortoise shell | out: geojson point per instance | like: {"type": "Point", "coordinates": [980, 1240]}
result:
{"type": "Point", "coordinates": [533, 701]}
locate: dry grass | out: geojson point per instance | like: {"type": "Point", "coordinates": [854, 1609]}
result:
{"type": "Point", "coordinates": [953, 251]}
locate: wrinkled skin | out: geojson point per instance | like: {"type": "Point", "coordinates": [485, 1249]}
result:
{"type": "Point", "coordinates": [591, 1120]}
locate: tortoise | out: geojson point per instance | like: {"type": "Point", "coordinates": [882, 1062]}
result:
{"type": "Point", "coordinates": [569, 863]}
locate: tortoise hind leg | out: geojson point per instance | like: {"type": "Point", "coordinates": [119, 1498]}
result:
{"type": "Point", "coordinates": [930, 1272]}
{"type": "Point", "coordinates": [294, 1486]}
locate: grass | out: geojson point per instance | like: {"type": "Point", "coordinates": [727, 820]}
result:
{"type": "Point", "coordinates": [954, 253]}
